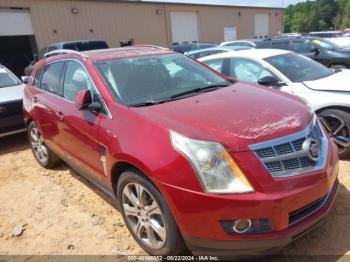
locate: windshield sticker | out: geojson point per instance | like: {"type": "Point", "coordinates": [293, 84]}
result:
{"type": "Point", "coordinates": [2, 70]}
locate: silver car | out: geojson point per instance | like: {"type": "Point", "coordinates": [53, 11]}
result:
{"type": "Point", "coordinates": [11, 95]}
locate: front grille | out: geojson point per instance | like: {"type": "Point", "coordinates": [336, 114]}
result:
{"type": "Point", "coordinates": [286, 156]}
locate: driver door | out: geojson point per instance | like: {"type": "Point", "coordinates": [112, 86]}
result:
{"type": "Point", "coordinates": [79, 129]}
{"type": "Point", "coordinates": [304, 48]}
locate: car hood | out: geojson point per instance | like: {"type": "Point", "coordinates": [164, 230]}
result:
{"type": "Point", "coordinates": [338, 82]}
{"type": "Point", "coordinates": [11, 93]}
{"type": "Point", "coordinates": [235, 116]}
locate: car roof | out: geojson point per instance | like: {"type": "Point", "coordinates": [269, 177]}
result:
{"type": "Point", "coordinates": [236, 41]}
{"type": "Point", "coordinates": [113, 53]}
{"type": "Point", "coordinates": [192, 52]}
{"type": "Point", "coordinates": [249, 53]}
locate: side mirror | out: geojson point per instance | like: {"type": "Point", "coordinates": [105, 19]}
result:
{"type": "Point", "coordinates": [270, 81]}
{"type": "Point", "coordinates": [25, 79]}
{"type": "Point", "coordinates": [315, 50]}
{"type": "Point", "coordinates": [83, 99]}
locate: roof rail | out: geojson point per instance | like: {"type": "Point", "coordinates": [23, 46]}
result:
{"type": "Point", "coordinates": [154, 46]}
{"type": "Point", "coordinates": [62, 51]}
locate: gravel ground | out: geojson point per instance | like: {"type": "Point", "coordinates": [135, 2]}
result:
{"type": "Point", "coordinates": [59, 213]}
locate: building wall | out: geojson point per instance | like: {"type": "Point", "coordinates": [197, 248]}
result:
{"type": "Point", "coordinates": [53, 21]}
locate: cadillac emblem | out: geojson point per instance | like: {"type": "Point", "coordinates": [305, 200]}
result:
{"type": "Point", "coordinates": [312, 149]}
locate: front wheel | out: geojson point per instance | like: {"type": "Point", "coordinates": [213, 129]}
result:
{"type": "Point", "coordinates": [147, 216]}
{"type": "Point", "coordinates": [337, 125]}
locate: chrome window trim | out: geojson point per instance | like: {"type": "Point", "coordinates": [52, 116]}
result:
{"type": "Point", "coordinates": [93, 83]}
{"type": "Point", "coordinates": [320, 164]}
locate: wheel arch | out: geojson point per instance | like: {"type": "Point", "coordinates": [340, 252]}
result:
{"type": "Point", "coordinates": [121, 166]}
{"type": "Point", "coordinates": [337, 107]}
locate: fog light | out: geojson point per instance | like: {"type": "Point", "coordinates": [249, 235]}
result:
{"type": "Point", "coordinates": [247, 226]}
{"type": "Point", "coordinates": [242, 226]}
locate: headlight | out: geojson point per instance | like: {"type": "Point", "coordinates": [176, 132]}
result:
{"type": "Point", "coordinates": [214, 166]}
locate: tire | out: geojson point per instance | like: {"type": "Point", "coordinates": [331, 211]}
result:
{"type": "Point", "coordinates": [337, 124]}
{"type": "Point", "coordinates": [45, 157]}
{"type": "Point", "coordinates": [135, 213]}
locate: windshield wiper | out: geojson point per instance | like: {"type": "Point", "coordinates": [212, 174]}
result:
{"type": "Point", "coordinates": [148, 103]}
{"type": "Point", "coordinates": [207, 88]}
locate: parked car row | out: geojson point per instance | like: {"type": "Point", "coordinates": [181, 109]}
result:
{"type": "Point", "coordinates": [326, 91]}
{"type": "Point", "coordinates": [324, 51]}
{"type": "Point", "coordinates": [196, 160]}
{"type": "Point", "coordinates": [81, 45]}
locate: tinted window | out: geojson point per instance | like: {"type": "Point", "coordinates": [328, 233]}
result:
{"type": "Point", "coordinates": [299, 68]}
{"type": "Point", "coordinates": [263, 44]}
{"type": "Point", "coordinates": [155, 78]}
{"type": "Point", "coordinates": [248, 70]}
{"type": "Point", "coordinates": [215, 64]}
{"type": "Point", "coordinates": [208, 53]}
{"type": "Point", "coordinates": [51, 79]}
{"type": "Point", "coordinates": [325, 44]}
{"type": "Point", "coordinates": [76, 79]}
{"type": "Point", "coordinates": [280, 45]}
{"type": "Point", "coordinates": [85, 46]}
{"type": "Point", "coordinates": [7, 78]}
{"type": "Point", "coordinates": [301, 47]}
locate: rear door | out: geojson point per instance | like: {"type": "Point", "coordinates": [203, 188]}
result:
{"type": "Point", "coordinates": [46, 92]}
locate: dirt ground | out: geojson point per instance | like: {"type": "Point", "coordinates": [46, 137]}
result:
{"type": "Point", "coordinates": [63, 214]}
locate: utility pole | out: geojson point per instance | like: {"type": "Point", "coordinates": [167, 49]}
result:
{"type": "Point", "coordinates": [282, 16]}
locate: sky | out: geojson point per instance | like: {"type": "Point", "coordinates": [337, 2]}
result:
{"type": "Point", "coordinates": [260, 3]}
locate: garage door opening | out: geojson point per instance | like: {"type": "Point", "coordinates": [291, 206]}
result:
{"type": "Point", "coordinates": [17, 41]}
{"type": "Point", "coordinates": [261, 26]}
{"type": "Point", "coordinates": [16, 52]}
{"type": "Point", "coordinates": [184, 27]}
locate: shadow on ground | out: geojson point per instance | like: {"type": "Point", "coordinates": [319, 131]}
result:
{"type": "Point", "coordinates": [12, 144]}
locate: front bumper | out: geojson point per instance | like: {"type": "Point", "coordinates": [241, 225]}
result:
{"type": "Point", "coordinates": [199, 215]}
{"type": "Point", "coordinates": [262, 246]}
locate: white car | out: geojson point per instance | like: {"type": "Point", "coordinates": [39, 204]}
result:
{"type": "Point", "coordinates": [326, 91]}
{"type": "Point", "coordinates": [246, 43]}
{"type": "Point", "coordinates": [11, 110]}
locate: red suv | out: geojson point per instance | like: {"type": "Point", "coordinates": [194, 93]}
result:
{"type": "Point", "coordinates": [194, 160]}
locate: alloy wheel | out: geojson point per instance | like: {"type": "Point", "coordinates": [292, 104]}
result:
{"type": "Point", "coordinates": [143, 215]}
{"type": "Point", "coordinates": [38, 145]}
{"type": "Point", "coordinates": [338, 130]}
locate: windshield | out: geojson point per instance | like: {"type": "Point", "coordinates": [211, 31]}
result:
{"type": "Point", "coordinates": [341, 42]}
{"type": "Point", "coordinates": [156, 78]}
{"type": "Point", "coordinates": [298, 68]}
{"type": "Point", "coordinates": [7, 78]}
{"type": "Point", "coordinates": [326, 44]}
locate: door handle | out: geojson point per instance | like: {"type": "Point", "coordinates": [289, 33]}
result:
{"type": "Point", "coordinates": [35, 99]}
{"type": "Point", "coordinates": [60, 116]}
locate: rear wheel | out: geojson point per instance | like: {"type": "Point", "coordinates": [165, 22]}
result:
{"type": "Point", "coordinates": [147, 216]}
{"type": "Point", "coordinates": [337, 124]}
{"type": "Point", "coordinates": [45, 157]}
